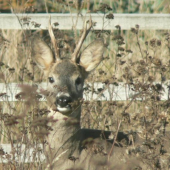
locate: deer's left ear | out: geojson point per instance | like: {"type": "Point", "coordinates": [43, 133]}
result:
{"type": "Point", "coordinates": [92, 55]}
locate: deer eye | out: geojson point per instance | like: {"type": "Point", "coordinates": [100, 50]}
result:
{"type": "Point", "coordinates": [78, 81]}
{"type": "Point", "coordinates": [51, 80]}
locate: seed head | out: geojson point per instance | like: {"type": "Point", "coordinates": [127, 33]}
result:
{"type": "Point", "coordinates": [158, 42]}
{"type": "Point", "coordinates": [153, 42]}
{"type": "Point", "coordinates": [133, 30]}
{"type": "Point", "coordinates": [110, 16]}
{"type": "Point", "coordinates": [157, 61]}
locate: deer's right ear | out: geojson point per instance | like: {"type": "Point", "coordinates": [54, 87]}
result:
{"type": "Point", "coordinates": [42, 54]}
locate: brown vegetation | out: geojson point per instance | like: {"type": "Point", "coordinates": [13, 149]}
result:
{"type": "Point", "coordinates": [139, 59]}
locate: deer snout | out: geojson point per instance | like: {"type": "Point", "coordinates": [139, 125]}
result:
{"type": "Point", "coordinates": [63, 103]}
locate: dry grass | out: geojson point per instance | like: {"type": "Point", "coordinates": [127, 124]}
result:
{"type": "Point", "coordinates": [137, 58]}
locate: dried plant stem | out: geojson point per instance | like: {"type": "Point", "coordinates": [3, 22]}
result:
{"type": "Point", "coordinates": [111, 150]}
{"type": "Point", "coordinates": [138, 43]}
{"type": "Point", "coordinates": [46, 8]}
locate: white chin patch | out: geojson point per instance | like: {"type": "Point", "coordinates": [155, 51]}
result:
{"type": "Point", "coordinates": [63, 109]}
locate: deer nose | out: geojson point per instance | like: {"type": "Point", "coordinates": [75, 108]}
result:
{"type": "Point", "coordinates": [63, 101]}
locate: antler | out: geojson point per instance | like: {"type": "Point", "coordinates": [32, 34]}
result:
{"type": "Point", "coordinates": [53, 40]}
{"type": "Point", "coordinates": [81, 40]}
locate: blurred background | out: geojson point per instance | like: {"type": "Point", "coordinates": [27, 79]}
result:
{"type": "Point", "coordinates": [58, 6]}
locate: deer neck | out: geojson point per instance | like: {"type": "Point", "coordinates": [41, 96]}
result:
{"type": "Point", "coordinates": [64, 136]}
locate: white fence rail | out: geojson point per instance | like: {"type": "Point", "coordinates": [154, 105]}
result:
{"type": "Point", "coordinates": [67, 21]}
{"type": "Point", "coordinates": [98, 92]}
{"type": "Point", "coordinates": [26, 155]}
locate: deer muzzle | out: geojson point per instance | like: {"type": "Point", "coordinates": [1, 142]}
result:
{"type": "Point", "coordinates": [63, 103]}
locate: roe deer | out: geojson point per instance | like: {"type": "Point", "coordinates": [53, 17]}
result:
{"type": "Point", "coordinates": [66, 79]}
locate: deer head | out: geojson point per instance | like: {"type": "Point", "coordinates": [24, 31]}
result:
{"type": "Point", "coordinates": [66, 76]}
